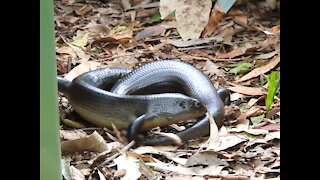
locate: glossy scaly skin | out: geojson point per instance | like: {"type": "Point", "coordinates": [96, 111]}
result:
{"type": "Point", "coordinates": [194, 82]}
{"type": "Point", "coordinates": [102, 108]}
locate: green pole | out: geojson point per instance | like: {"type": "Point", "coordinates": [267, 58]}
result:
{"type": "Point", "coordinates": [50, 154]}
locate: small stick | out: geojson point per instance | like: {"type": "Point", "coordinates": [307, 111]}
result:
{"type": "Point", "coordinates": [128, 146]}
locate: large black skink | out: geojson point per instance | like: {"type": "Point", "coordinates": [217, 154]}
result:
{"type": "Point", "coordinates": [193, 81]}
{"type": "Point", "coordinates": [102, 108]}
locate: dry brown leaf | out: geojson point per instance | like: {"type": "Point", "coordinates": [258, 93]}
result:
{"type": "Point", "coordinates": [214, 19]}
{"type": "Point", "coordinates": [227, 35]}
{"type": "Point", "coordinates": [72, 134]}
{"type": "Point", "coordinates": [231, 54]}
{"type": "Point", "coordinates": [246, 49]}
{"type": "Point", "coordinates": [82, 68]}
{"type": "Point", "coordinates": [145, 158]}
{"type": "Point", "coordinates": [269, 126]}
{"type": "Point", "coordinates": [66, 50]}
{"type": "Point", "coordinates": [210, 170]}
{"type": "Point", "coordinates": [211, 67]}
{"type": "Point", "coordinates": [253, 91]}
{"type": "Point", "coordinates": [119, 173]}
{"type": "Point", "coordinates": [261, 70]}
{"type": "Point", "coordinates": [151, 31]}
{"type": "Point", "coordinates": [205, 158]}
{"type": "Point", "coordinates": [162, 150]}
{"type": "Point", "coordinates": [249, 113]}
{"type": "Point", "coordinates": [166, 7]}
{"type": "Point", "coordinates": [68, 19]}
{"type": "Point", "coordinates": [93, 142]}
{"type": "Point", "coordinates": [116, 37]}
{"type": "Point", "coordinates": [99, 28]}
{"type": "Point", "coordinates": [83, 10]}
{"type": "Point", "coordinates": [181, 43]}
{"type": "Point", "coordinates": [192, 16]}
{"type": "Point", "coordinates": [239, 17]}
{"type": "Point", "coordinates": [228, 141]}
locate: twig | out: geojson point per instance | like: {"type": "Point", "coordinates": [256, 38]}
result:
{"type": "Point", "coordinates": [128, 146]}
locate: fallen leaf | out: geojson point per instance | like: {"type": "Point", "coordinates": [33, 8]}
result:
{"type": "Point", "coordinates": [82, 68]}
{"type": "Point", "coordinates": [66, 50]}
{"type": "Point", "coordinates": [69, 19]}
{"type": "Point", "coordinates": [253, 91]}
{"type": "Point", "coordinates": [214, 19]}
{"type": "Point", "coordinates": [246, 49]}
{"type": "Point", "coordinates": [166, 7]}
{"type": "Point", "coordinates": [72, 134]}
{"type": "Point", "coordinates": [272, 112]}
{"type": "Point", "coordinates": [266, 55]}
{"type": "Point", "coordinates": [211, 67]}
{"type": "Point", "coordinates": [119, 173]}
{"type": "Point", "coordinates": [228, 141]}
{"type": "Point", "coordinates": [83, 10]}
{"type": "Point", "coordinates": [260, 70]}
{"type": "Point", "coordinates": [254, 132]}
{"type": "Point", "coordinates": [146, 171]}
{"type": "Point", "coordinates": [257, 119]}
{"type": "Point", "coordinates": [235, 96]}
{"type": "Point", "coordinates": [78, 50]}
{"type": "Point", "coordinates": [192, 16]}
{"type": "Point", "coordinates": [252, 101]}
{"type": "Point", "coordinates": [209, 170]}
{"type": "Point", "coordinates": [76, 174]}
{"type": "Point", "coordinates": [213, 140]}
{"type": "Point", "coordinates": [99, 28]}
{"type": "Point", "coordinates": [119, 35]}
{"type": "Point", "coordinates": [93, 142]}
{"type": "Point", "coordinates": [126, 4]}
{"type": "Point", "coordinates": [162, 150]}
{"type": "Point", "coordinates": [270, 126]}
{"type": "Point", "coordinates": [272, 135]}
{"type": "Point", "coordinates": [227, 35]}
{"type": "Point", "coordinates": [151, 31]}
{"type": "Point", "coordinates": [130, 165]}
{"type": "Point", "coordinates": [65, 167]}
{"type": "Point", "coordinates": [205, 158]}
{"type": "Point", "coordinates": [248, 113]}
{"type": "Point", "coordinates": [241, 69]}
{"type": "Point", "coordinates": [182, 43]}
{"type": "Point", "coordinates": [231, 54]}
{"type": "Point", "coordinates": [239, 17]}
{"type": "Point", "coordinates": [101, 176]}
{"type": "Point", "coordinates": [81, 41]}
{"type": "Point", "coordinates": [80, 53]}
{"type": "Point", "coordinates": [111, 148]}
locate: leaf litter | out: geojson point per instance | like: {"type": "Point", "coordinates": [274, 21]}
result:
{"type": "Point", "coordinates": [99, 34]}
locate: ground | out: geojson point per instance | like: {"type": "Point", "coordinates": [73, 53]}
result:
{"type": "Point", "coordinates": [238, 50]}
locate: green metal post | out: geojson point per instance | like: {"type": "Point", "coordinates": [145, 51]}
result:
{"type": "Point", "coordinates": [50, 154]}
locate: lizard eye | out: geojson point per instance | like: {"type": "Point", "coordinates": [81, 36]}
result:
{"type": "Point", "coordinates": [197, 104]}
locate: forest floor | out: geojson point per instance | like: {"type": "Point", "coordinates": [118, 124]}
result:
{"type": "Point", "coordinates": [239, 50]}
